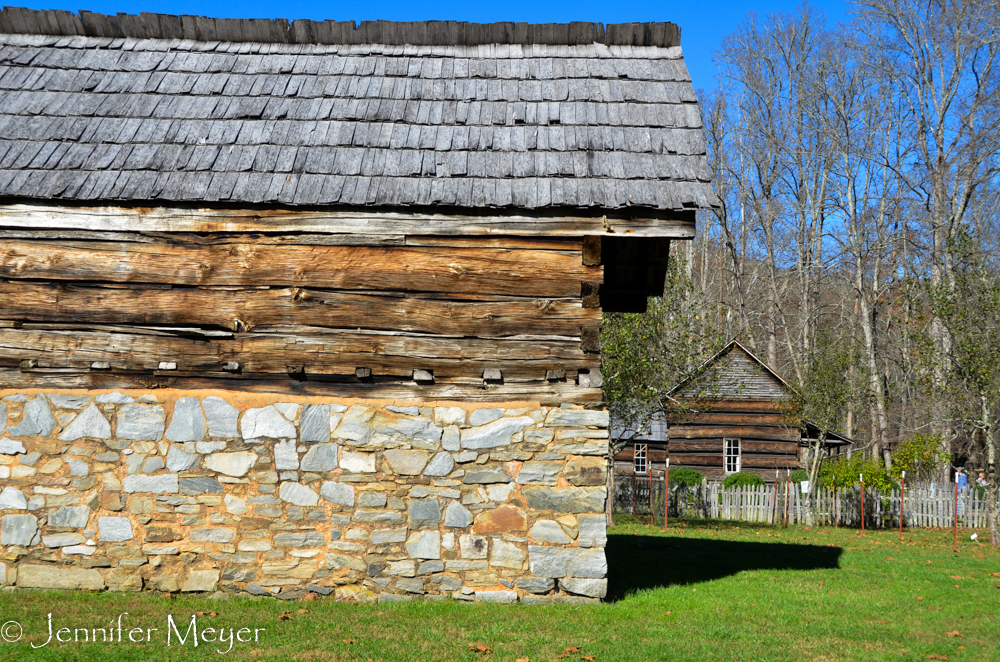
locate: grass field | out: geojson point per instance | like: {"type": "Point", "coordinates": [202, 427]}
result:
{"type": "Point", "coordinates": [702, 591]}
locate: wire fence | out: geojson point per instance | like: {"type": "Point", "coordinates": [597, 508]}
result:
{"type": "Point", "coordinates": [922, 505]}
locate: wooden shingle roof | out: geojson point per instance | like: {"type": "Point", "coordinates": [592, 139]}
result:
{"type": "Point", "coordinates": [187, 109]}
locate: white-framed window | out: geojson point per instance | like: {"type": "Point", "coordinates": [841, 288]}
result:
{"type": "Point", "coordinates": [732, 455]}
{"type": "Point", "coordinates": [639, 459]}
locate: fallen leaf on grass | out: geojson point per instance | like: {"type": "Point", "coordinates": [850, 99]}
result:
{"type": "Point", "coordinates": [206, 613]}
{"type": "Point", "coordinates": [482, 649]}
{"type": "Point", "coordinates": [961, 648]}
{"type": "Point", "coordinates": [957, 586]}
{"type": "Point", "coordinates": [303, 611]}
{"type": "Point", "coordinates": [920, 597]}
{"type": "Point", "coordinates": [932, 656]}
{"type": "Point", "coordinates": [667, 613]}
{"type": "Point", "coordinates": [954, 633]}
{"type": "Point", "coordinates": [350, 641]}
{"type": "Point", "coordinates": [889, 558]}
{"type": "Point", "coordinates": [284, 616]}
{"type": "Point", "coordinates": [955, 576]}
{"type": "Point", "coordinates": [571, 649]}
{"type": "Point", "coordinates": [523, 659]}
{"type": "Point", "coordinates": [587, 657]}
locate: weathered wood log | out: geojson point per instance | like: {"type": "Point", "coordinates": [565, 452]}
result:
{"type": "Point", "coordinates": [680, 225]}
{"type": "Point", "coordinates": [542, 393]}
{"type": "Point", "coordinates": [712, 432]}
{"type": "Point", "coordinates": [245, 309]}
{"type": "Point", "coordinates": [480, 270]}
{"type": "Point", "coordinates": [729, 419]}
{"type": "Point", "coordinates": [732, 406]}
{"type": "Point", "coordinates": [338, 353]}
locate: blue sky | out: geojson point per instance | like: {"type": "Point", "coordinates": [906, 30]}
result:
{"type": "Point", "coordinates": [703, 24]}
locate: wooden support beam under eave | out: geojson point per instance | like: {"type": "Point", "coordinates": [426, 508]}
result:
{"type": "Point", "coordinates": [678, 224]}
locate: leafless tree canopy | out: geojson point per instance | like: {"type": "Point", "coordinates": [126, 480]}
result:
{"type": "Point", "coordinates": [858, 170]}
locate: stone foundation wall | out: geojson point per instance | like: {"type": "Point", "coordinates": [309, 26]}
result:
{"type": "Point", "coordinates": [238, 492]}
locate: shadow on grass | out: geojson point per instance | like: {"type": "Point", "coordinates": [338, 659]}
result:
{"type": "Point", "coordinates": [643, 562]}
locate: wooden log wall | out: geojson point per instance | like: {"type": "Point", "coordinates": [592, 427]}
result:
{"type": "Point", "coordinates": [425, 316]}
{"type": "Point", "coordinates": [696, 439]}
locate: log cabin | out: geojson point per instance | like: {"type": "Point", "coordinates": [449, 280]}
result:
{"type": "Point", "coordinates": [735, 415]}
{"type": "Point", "coordinates": [384, 246]}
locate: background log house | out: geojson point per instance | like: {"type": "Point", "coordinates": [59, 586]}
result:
{"type": "Point", "coordinates": [733, 396]}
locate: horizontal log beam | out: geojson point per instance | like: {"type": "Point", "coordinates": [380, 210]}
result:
{"type": "Point", "coordinates": [245, 309]}
{"type": "Point", "coordinates": [333, 352]}
{"type": "Point", "coordinates": [679, 225]}
{"type": "Point", "coordinates": [680, 431]}
{"type": "Point", "coordinates": [541, 392]}
{"type": "Point", "coordinates": [482, 270]}
{"type": "Point", "coordinates": [727, 419]}
{"type": "Point", "coordinates": [748, 406]}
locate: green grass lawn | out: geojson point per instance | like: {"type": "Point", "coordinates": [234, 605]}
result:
{"type": "Point", "coordinates": [702, 591]}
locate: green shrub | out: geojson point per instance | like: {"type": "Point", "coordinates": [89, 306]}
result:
{"type": "Point", "coordinates": [844, 472]}
{"type": "Point", "coordinates": [685, 476]}
{"type": "Point", "coordinates": [742, 479]}
{"type": "Point", "coordinates": [799, 475]}
{"type": "Point", "coordinates": [919, 456]}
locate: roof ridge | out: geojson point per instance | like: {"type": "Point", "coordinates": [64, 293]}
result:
{"type": "Point", "coordinates": [146, 25]}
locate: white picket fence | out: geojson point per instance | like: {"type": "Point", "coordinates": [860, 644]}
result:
{"type": "Point", "coordinates": [923, 506]}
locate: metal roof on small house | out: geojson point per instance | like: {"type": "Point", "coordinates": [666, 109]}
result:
{"type": "Point", "coordinates": [174, 109]}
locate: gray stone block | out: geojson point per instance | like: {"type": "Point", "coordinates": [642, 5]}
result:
{"type": "Point", "coordinates": [497, 433]}
{"type": "Point", "coordinates": [591, 588]}
{"type": "Point", "coordinates": [485, 476]}
{"type": "Point", "coordinates": [178, 460]}
{"type": "Point", "coordinates": [201, 581]}
{"type": "Point", "coordinates": [566, 499]}
{"type": "Point", "coordinates": [410, 585]}
{"type": "Point", "coordinates": [187, 423]}
{"type": "Point", "coordinates": [115, 398]}
{"type": "Point", "coordinates": [424, 545]}
{"type": "Point", "coordinates": [63, 540]}
{"type": "Point", "coordinates": [266, 422]}
{"type": "Point", "coordinates": [286, 457]}
{"type": "Point", "coordinates": [200, 485]}
{"type": "Point", "coordinates": [451, 439]}
{"type": "Point", "coordinates": [419, 432]}
{"type": "Point", "coordinates": [89, 424]}
{"type": "Point", "coordinates": [11, 447]}
{"type": "Point", "coordinates": [21, 530]}
{"type": "Point", "coordinates": [152, 464]}
{"type": "Point", "coordinates": [593, 531]}
{"type": "Point", "coordinates": [389, 517]}
{"type": "Point", "coordinates": [12, 499]}
{"type": "Point", "coordinates": [114, 529]}
{"type": "Point", "coordinates": [500, 597]}
{"type": "Point", "coordinates": [406, 462]}
{"type": "Point", "coordinates": [77, 467]}
{"type": "Point", "coordinates": [69, 401]}
{"type": "Point", "coordinates": [338, 493]}
{"type": "Point", "coordinates": [59, 577]}
{"type": "Point", "coordinates": [36, 420]}
{"type": "Point", "coordinates": [222, 418]}
{"type": "Point", "coordinates": [354, 427]}
{"type": "Point", "coordinates": [308, 539]}
{"type": "Point", "coordinates": [576, 418]}
{"type": "Point", "coordinates": [69, 516]}
{"type": "Point", "coordinates": [321, 457]}
{"type": "Point", "coordinates": [549, 531]}
{"type": "Point", "coordinates": [140, 422]}
{"type": "Point", "coordinates": [384, 536]}
{"type": "Point", "coordinates": [506, 555]}
{"type": "Point", "coordinates": [357, 462]}
{"type": "Point", "coordinates": [372, 500]}
{"type": "Point", "coordinates": [545, 473]}
{"type": "Point", "coordinates": [456, 515]}
{"type": "Point", "coordinates": [558, 562]}
{"type": "Point", "coordinates": [314, 424]}
{"type": "Point", "coordinates": [408, 411]}
{"type": "Point", "coordinates": [160, 484]}
{"type": "Point", "coordinates": [424, 510]}
{"type": "Point", "coordinates": [484, 416]}
{"type": "Point", "coordinates": [441, 464]}
{"type": "Point", "coordinates": [232, 464]}
{"type": "Point", "coordinates": [213, 535]}
{"type": "Point", "coordinates": [428, 567]}
{"type": "Point", "coordinates": [536, 584]}
{"type": "Point", "coordinates": [298, 494]}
